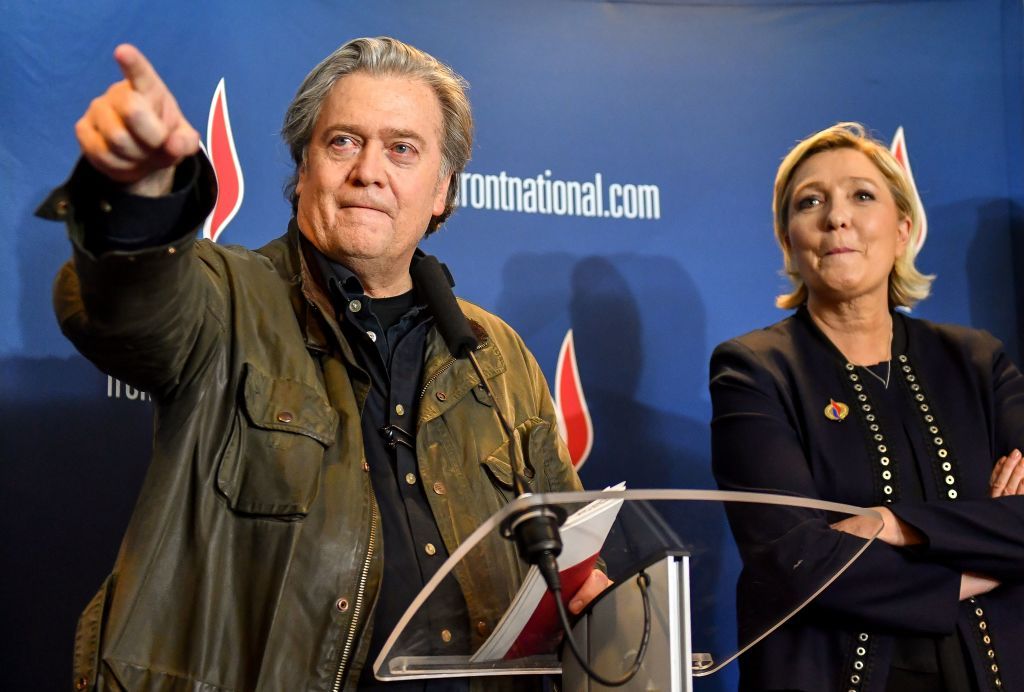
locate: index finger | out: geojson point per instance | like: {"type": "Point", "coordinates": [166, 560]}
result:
{"type": "Point", "coordinates": [136, 68]}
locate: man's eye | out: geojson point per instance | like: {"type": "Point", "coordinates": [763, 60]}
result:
{"type": "Point", "coordinates": [403, 149]}
{"type": "Point", "coordinates": [341, 141]}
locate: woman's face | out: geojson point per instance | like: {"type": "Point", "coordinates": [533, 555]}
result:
{"type": "Point", "coordinates": [845, 231]}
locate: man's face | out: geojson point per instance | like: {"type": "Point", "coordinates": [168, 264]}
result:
{"type": "Point", "coordinates": [370, 183]}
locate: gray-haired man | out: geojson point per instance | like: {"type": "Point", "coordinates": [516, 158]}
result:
{"type": "Point", "coordinates": [317, 450]}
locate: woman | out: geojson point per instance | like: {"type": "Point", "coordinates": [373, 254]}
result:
{"type": "Point", "coordinates": [851, 401]}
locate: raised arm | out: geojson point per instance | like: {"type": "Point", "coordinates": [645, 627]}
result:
{"type": "Point", "coordinates": [135, 300]}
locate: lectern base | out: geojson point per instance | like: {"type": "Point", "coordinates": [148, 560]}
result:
{"type": "Point", "coordinates": [610, 631]}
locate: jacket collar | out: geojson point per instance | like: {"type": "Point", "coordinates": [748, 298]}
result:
{"type": "Point", "coordinates": [899, 332]}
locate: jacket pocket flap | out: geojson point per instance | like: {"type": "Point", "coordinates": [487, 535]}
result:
{"type": "Point", "coordinates": [529, 440]}
{"type": "Point", "coordinates": [289, 406]}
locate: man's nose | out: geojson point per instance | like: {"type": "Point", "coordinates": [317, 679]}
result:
{"type": "Point", "coordinates": [368, 168]}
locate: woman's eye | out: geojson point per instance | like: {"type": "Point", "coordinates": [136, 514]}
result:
{"type": "Point", "coordinates": [864, 196]}
{"type": "Point", "coordinates": [807, 202]}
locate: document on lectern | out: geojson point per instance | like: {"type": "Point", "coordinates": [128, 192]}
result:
{"type": "Point", "coordinates": [531, 625]}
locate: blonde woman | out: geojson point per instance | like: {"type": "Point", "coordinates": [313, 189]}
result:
{"type": "Point", "coordinates": [850, 400]}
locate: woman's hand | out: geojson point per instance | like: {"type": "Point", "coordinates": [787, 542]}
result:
{"type": "Point", "coordinates": [895, 532]}
{"type": "Point", "coordinates": [972, 584]}
{"type": "Point", "coordinates": [1008, 475]}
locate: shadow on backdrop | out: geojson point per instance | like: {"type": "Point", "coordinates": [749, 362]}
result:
{"type": "Point", "coordinates": [994, 275]}
{"type": "Point", "coordinates": [619, 357]}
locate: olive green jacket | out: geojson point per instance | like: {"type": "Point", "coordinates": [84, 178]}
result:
{"type": "Point", "coordinates": [253, 556]}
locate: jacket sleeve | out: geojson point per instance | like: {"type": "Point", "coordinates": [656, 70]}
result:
{"type": "Point", "coordinates": [144, 315]}
{"type": "Point", "coordinates": [789, 553]}
{"type": "Point", "coordinates": [982, 535]}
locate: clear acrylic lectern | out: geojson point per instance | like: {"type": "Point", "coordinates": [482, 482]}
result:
{"type": "Point", "coordinates": [681, 541]}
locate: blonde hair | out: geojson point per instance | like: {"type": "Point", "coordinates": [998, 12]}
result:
{"type": "Point", "coordinates": [906, 284]}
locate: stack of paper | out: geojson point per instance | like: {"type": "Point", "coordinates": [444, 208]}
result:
{"type": "Point", "coordinates": [531, 625]}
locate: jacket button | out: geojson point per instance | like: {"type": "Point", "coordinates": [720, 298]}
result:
{"type": "Point", "coordinates": [446, 636]}
{"type": "Point", "coordinates": [410, 478]}
{"type": "Point", "coordinates": [429, 549]}
{"type": "Point", "coordinates": [399, 409]}
{"type": "Point", "coordinates": [285, 417]}
{"type": "Point", "coordinates": [481, 627]}
{"type": "Point", "coordinates": [441, 396]}
{"type": "Point", "coordinates": [341, 604]}
{"type": "Point", "coordinates": [82, 682]}
{"type": "Point", "coordinates": [439, 488]}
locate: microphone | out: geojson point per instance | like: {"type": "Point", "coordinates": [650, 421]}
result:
{"type": "Point", "coordinates": [432, 282]}
{"type": "Point", "coordinates": [534, 530]}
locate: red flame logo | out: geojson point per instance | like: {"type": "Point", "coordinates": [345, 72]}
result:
{"type": "Point", "coordinates": [899, 151]}
{"type": "Point", "coordinates": [570, 405]}
{"type": "Point", "coordinates": [220, 146]}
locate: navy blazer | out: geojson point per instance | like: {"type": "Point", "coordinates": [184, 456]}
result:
{"type": "Point", "coordinates": [770, 432]}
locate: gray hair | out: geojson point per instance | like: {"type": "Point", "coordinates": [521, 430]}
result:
{"type": "Point", "coordinates": [385, 56]}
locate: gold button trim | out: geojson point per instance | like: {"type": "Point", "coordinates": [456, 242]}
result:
{"type": "Point", "coordinates": [410, 478]}
{"type": "Point", "coordinates": [429, 549]}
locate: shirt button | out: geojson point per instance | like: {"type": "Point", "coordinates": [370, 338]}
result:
{"type": "Point", "coordinates": [429, 549]}
{"type": "Point", "coordinates": [400, 410]}
{"type": "Point", "coordinates": [441, 396]}
{"type": "Point", "coordinates": [341, 604]}
{"type": "Point", "coordinates": [439, 488]}
{"type": "Point", "coordinates": [366, 466]}
{"type": "Point", "coordinates": [81, 683]}
{"type": "Point", "coordinates": [446, 636]}
{"type": "Point", "coordinates": [481, 627]}
{"type": "Point", "coordinates": [105, 206]}
{"type": "Point", "coordinates": [355, 305]}
{"type": "Point", "coordinates": [410, 478]}
{"type": "Point", "coordinates": [372, 334]}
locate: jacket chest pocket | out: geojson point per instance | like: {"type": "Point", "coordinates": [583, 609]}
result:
{"type": "Point", "coordinates": [273, 459]}
{"type": "Point", "coordinates": [536, 444]}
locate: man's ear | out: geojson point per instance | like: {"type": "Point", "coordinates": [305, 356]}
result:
{"type": "Point", "coordinates": [441, 196]}
{"type": "Point", "coordinates": [301, 179]}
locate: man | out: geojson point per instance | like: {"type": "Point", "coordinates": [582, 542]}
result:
{"type": "Point", "coordinates": [318, 452]}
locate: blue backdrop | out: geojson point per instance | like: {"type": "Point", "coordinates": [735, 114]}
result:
{"type": "Point", "coordinates": [677, 112]}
